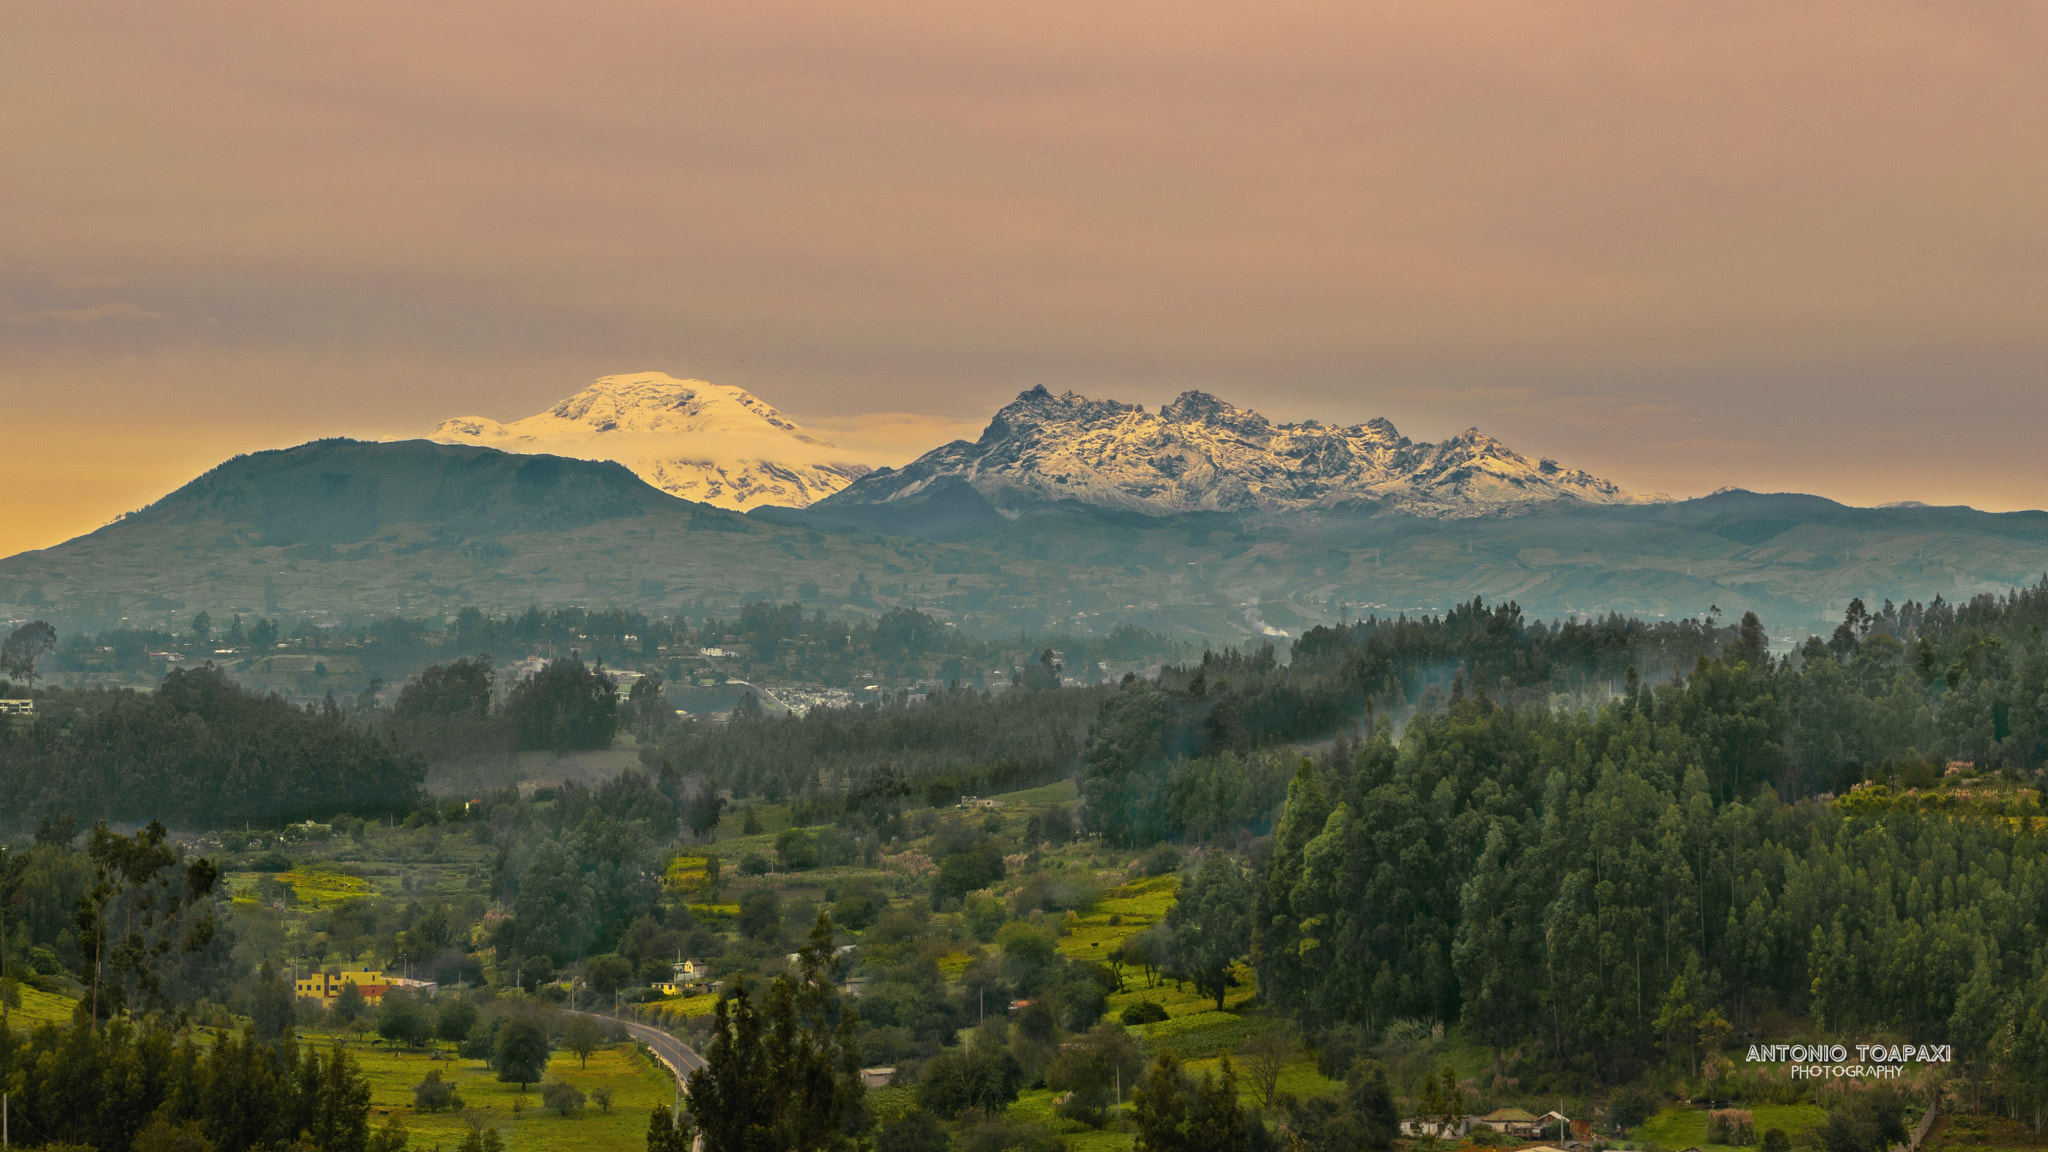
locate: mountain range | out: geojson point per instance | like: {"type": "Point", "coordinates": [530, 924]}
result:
{"type": "Point", "coordinates": [1067, 514]}
{"type": "Point", "coordinates": [1200, 454]}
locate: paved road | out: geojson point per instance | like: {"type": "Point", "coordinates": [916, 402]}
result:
{"type": "Point", "coordinates": [680, 1057]}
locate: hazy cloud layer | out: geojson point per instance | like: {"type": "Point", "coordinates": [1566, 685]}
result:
{"type": "Point", "coordinates": [1681, 245]}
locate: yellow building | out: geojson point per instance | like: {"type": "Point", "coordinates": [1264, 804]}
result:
{"type": "Point", "coordinates": [326, 986]}
{"type": "Point", "coordinates": [691, 977]}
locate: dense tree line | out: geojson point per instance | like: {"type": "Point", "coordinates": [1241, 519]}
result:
{"type": "Point", "coordinates": [454, 712]}
{"type": "Point", "coordinates": [148, 1085]}
{"type": "Point", "coordinates": [127, 922]}
{"type": "Point", "coordinates": [1576, 885]}
{"type": "Point", "coordinates": [198, 751]}
{"type": "Point", "coordinates": [1907, 683]}
{"type": "Point", "coordinates": [933, 748]}
{"type": "Point", "coordinates": [1850, 835]}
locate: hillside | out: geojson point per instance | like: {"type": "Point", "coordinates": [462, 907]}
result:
{"type": "Point", "coordinates": [337, 527]}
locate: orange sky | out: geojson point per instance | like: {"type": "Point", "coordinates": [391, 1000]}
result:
{"type": "Point", "coordinates": [1681, 245]}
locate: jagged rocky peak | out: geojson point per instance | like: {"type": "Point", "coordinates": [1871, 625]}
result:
{"type": "Point", "coordinates": [713, 443]}
{"type": "Point", "coordinates": [1201, 453]}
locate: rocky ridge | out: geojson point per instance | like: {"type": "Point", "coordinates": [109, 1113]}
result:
{"type": "Point", "coordinates": [1199, 453]}
{"type": "Point", "coordinates": [712, 443]}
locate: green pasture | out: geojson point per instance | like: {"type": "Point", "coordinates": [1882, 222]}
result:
{"type": "Point", "coordinates": [1687, 1127]}
{"type": "Point", "coordinates": [637, 1085]}
{"type": "Point", "coordinates": [38, 1007]}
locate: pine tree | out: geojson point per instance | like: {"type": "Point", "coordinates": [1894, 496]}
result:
{"type": "Point", "coordinates": [786, 1076]}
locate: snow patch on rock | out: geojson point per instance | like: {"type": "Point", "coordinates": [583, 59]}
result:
{"type": "Point", "coordinates": [1199, 453]}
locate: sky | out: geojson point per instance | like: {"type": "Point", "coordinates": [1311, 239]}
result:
{"type": "Point", "coordinates": [1680, 245]}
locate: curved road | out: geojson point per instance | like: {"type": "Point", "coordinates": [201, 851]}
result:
{"type": "Point", "coordinates": [680, 1057]}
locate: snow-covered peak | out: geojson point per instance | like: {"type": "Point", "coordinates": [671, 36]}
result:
{"type": "Point", "coordinates": [642, 402]}
{"type": "Point", "coordinates": [713, 443]}
{"type": "Point", "coordinates": [1200, 453]}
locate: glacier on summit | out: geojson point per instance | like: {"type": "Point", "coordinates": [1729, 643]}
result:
{"type": "Point", "coordinates": [712, 443]}
{"type": "Point", "coordinates": [1199, 453]}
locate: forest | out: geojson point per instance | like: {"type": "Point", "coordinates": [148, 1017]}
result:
{"type": "Point", "coordinates": [1611, 853]}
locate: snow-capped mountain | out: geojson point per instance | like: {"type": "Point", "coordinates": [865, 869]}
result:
{"type": "Point", "coordinates": [1201, 454]}
{"type": "Point", "coordinates": [712, 443]}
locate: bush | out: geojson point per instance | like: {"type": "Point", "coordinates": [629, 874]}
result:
{"type": "Point", "coordinates": [608, 973]}
{"type": "Point", "coordinates": [562, 1096]}
{"type": "Point", "coordinates": [984, 917]}
{"type": "Point", "coordinates": [1775, 1140]}
{"type": "Point", "coordinates": [797, 849]}
{"type": "Point", "coordinates": [858, 906]}
{"type": "Point", "coordinates": [161, 1135]}
{"type": "Point", "coordinates": [760, 915]}
{"type": "Point", "coordinates": [435, 1094]}
{"type": "Point", "coordinates": [913, 1132]}
{"type": "Point", "coordinates": [999, 1136]}
{"type": "Point", "coordinates": [1146, 1012]}
{"type": "Point", "coordinates": [1731, 1126]}
{"type": "Point", "coordinates": [754, 864]}
{"type": "Point", "coordinates": [957, 1081]}
{"type": "Point", "coordinates": [1340, 1046]}
{"type": "Point", "coordinates": [1161, 860]}
{"type": "Point", "coordinates": [1631, 1106]}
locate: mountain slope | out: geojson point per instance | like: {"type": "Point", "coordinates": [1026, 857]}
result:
{"type": "Point", "coordinates": [712, 443]}
{"type": "Point", "coordinates": [1201, 454]}
{"type": "Point", "coordinates": [338, 528]}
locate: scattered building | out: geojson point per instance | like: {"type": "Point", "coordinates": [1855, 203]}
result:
{"type": "Point", "coordinates": [326, 986]}
{"type": "Point", "coordinates": [691, 978]}
{"type": "Point", "coordinates": [17, 707]}
{"type": "Point", "coordinates": [1438, 1129]}
{"type": "Point", "coordinates": [1513, 1122]}
{"type": "Point", "coordinates": [877, 1077]}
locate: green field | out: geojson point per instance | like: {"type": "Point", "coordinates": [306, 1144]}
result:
{"type": "Point", "coordinates": [1687, 1127]}
{"type": "Point", "coordinates": [637, 1085]}
{"type": "Point", "coordinates": [38, 1007]}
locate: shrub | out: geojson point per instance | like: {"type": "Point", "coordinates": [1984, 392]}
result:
{"type": "Point", "coordinates": [562, 1096]}
{"type": "Point", "coordinates": [1632, 1106]}
{"type": "Point", "coordinates": [1144, 1012]}
{"type": "Point", "coordinates": [1161, 860]}
{"type": "Point", "coordinates": [1731, 1126]}
{"type": "Point", "coordinates": [1339, 1047]}
{"type": "Point", "coordinates": [435, 1094]}
{"type": "Point", "coordinates": [797, 849]}
{"type": "Point", "coordinates": [915, 1131]}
